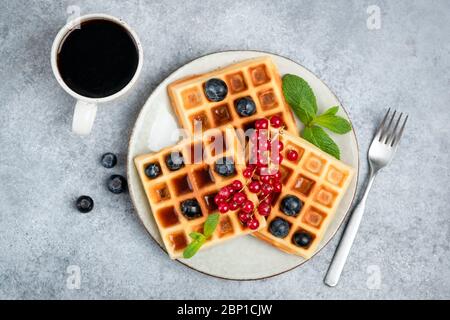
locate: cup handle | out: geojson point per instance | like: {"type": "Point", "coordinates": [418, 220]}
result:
{"type": "Point", "coordinates": [83, 117]}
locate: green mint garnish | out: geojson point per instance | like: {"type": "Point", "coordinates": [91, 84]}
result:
{"type": "Point", "coordinates": [332, 122]}
{"type": "Point", "coordinates": [295, 88]}
{"type": "Point", "coordinates": [301, 98]}
{"type": "Point", "coordinates": [211, 224]}
{"type": "Point", "coordinates": [198, 239]}
{"type": "Point", "coordinates": [318, 137]}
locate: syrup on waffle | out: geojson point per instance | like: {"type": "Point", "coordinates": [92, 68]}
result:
{"type": "Point", "coordinates": [197, 179]}
{"type": "Point", "coordinates": [318, 181]}
{"type": "Point", "coordinates": [256, 78]}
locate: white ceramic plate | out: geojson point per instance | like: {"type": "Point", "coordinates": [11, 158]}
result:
{"type": "Point", "coordinates": [245, 258]}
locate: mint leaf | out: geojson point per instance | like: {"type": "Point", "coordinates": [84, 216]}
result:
{"type": "Point", "coordinates": [193, 247]}
{"type": "Point", "coordinates": [318, 137]}
{"type": "Point", "coordinates": [199, 239]}
{"type": "Point", "coordinates": [332, 111]}
{"type": "Point", "coordinates": [210, 224]}
{"type": "Point", "coordinates": [197, 236]}
{"type": "Point", "coordinates": [304, 113]}
{"type": "Point", "coordinates": [333, 123]}
{"type": "Point", "coordinates": [300, 97]}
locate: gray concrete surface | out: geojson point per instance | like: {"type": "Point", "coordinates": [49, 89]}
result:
{"type": "Point", "coordinates": [404, 238]}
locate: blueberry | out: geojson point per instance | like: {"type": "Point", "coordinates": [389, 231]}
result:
{"type": "Point", "coordinates": [302, 239]}
{"type": "Point", "coordinates": [216, 90]}
{"type": "Point", "coordinates": [117, 184]}
{"type": "Point", "coordinates": [191, 209]}
{"type": "Point", "coordinates": [279, 228]}
{"type": "Point", "coordinates": [225, 167]}
{"type": "Point", "coordinates": [109, 160]}
{"type": "Point", "coordinates": [245, 106]}
{"type": "Point", "coordinates": [85, 204]}
{"type": "Point", "coordinates": [291, 205]}
{"type": "Point", "coordinates": [153, 170]}
{"type": "Point", "coordinates": [174, 161]}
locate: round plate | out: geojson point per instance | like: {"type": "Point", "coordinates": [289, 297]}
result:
{"type": "Point", "coordinates": [245, 258]}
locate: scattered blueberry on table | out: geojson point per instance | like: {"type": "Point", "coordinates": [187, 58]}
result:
{"type": "Point", "coordinates": [216, 90]}
{"type": "Point", "coordinates": [117, 184]}
{"type": "Point", "coordinates": [109, 160]}
{"type": "Point", "coordinates": [85, 204]}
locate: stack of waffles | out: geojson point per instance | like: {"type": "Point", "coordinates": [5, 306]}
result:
{"type": "Point", "coordinates": [315, 178]}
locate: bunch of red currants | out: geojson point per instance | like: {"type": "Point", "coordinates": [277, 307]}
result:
{"type": "Point", "coordinates": [262, 174]}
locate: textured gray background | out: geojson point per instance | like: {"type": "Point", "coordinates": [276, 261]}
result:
{"type": "Point", "coordinates": [44, 167]}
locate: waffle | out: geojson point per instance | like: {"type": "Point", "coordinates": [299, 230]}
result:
{"type": "Point", "coordinates": [196, 179]}
{"type": "Point", "coordinates": [319, 181]}
{"type": "Point", "coordinates": [257, 78]}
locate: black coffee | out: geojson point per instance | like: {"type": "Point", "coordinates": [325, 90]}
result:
{"type": "Point", "coordinates": [98, 59]}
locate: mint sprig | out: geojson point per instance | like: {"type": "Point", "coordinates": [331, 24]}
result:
{"type": "Point", "coordinates": [317, 136]}
{"type": "Point", "coordinates": [199, 239]}
{"type": "Point", "coordinates": [301, 98]}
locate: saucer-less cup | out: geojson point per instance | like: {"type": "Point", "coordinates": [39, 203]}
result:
{"type": "Point", "coordinates": [86, 107]}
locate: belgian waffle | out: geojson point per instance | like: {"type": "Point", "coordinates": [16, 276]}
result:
{"type": "Point", "coordinates": [198, 180]}
{"type": "Point", "coordinates": [256, 78]}
{"type": "Point", "coordinates": [319, 181]}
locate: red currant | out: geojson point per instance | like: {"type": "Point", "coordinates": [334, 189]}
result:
{"type": "Point", "coordinates": [244, 217]}
{"type": "Point", "coordinates": [277, 175]}
{"type": "Point", "coordinates": [261, 163]}
{"type": "Point", "coordinates": [234, 206]}
{"type": "Point", "coordinates": [223, 207]}
{"type": "Point", "coordinates": [253, 224]}
{"type": "Point", "coordinates": [266, 189]}
{"type": "Point", "coordinates": [224, 193]}
{"type": "Point", "coordinates": [237, 185]}
{"type": "Point", "coordinates": [248, 206]}
{"type": "Point", "coordinates": [231, 189]}
{"type": "Point", "coordinates": [277, 158]}
{"type": "Point", "coordinates": [239, 197]}
{"type": "Point", "coordinates": [248, 173]}
{"type": "Point", "coordinates": [265, 178]}
{"type": "Point", "coordinates": [263, 135]}
{"type": "Point", "coordinates": [277, 186]}
{"type": "Point", "coordinates": [218, 199]}
{"type": "Point", "coordinates": [254, 187]}
{"type": "Point", "coordinates": [264, 209]}
{"type": "Point", "coordinates": [263, 145]}
{"type": "Point", "coordinates": [268, 199]}
{"type": "Point", "coordinates": [261, 124]}
{"type": "Point", "coordinates": [292, 155]}
{"type": "Point", "coordinates": [266, 171]}
{"type": "Point", "coordinates": [276, 121]}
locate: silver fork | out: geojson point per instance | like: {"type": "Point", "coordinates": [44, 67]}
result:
{"type": "Point", "coordinates": [381, 152]}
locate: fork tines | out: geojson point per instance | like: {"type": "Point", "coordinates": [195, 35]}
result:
{"type": "Point", "coordinates": [388, 133]}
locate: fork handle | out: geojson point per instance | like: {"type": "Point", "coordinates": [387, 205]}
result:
{"type": "Point", "coordinates": [340, 257]}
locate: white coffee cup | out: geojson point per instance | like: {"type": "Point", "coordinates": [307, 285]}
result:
{"type": "Point", "coordinates": [86, 107]}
